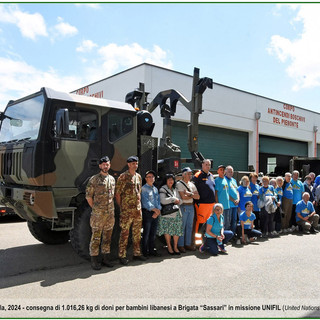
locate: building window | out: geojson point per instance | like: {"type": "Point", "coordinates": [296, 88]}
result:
{"type": "Point", "coordinates": [271, 164]}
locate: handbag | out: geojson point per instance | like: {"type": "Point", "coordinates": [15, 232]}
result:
{"type": "Point", "coordinates": [170, 207]}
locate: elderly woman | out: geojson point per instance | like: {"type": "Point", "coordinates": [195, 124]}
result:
{"type": "Point", "coordinates": [216, 236]}
{"type": "Point", "coordinates": [170, 224]}
{"type": "Point", "coordinates": [244, 193]}
{"type": "Point", "coordinates": [267, 197]}
{"type": "Point", "coordinates": [247, 224]}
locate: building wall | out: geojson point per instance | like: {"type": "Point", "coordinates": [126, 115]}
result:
{"type": "Point", "coordinates": [224, 107]}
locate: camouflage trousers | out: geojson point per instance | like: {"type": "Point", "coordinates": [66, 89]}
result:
{"type": "Point", "coordinates": [102, 226]}
{"type": "Point", "coordinates": [128, 219]}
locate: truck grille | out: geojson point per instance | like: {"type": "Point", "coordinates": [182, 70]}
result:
{"type": "Point", "coordinates": [11, 163]}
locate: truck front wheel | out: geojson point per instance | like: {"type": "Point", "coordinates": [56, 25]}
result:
{"type": "Point", "coordinates": [41, 230]}
{"type": "Point", "coordinates": [80, 235]}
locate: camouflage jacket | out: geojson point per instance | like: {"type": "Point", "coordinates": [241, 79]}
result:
{"type": "Point", "coordinates": [101, 189]}
{"type": "Point", "coordinates": [129, 189]}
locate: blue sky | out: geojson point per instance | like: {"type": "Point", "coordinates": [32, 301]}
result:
{"type": "Point", "coordinates": [267, 49]}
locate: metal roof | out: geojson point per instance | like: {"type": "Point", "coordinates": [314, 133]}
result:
{"type": "Point", "coordinates": [58, 95]}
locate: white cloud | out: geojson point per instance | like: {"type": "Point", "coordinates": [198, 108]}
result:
{"type": "Point", "coordinates": [17, 79]}
{"type": "Point", "coordinates": [88, 5]}
{"type": "Point", "coordinates": [86, 46]}
{"type": "Point", "coordinates": [30, 25]}
{"type": "Point", "coordinates": [114, 56]}
{"type": "Point", "coordinates": [303, 52]}
{"type": "Point", "coordinates": [65, 29]}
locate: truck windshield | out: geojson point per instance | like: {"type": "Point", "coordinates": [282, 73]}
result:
{"type": "Point", "coordinates": [22, 120]}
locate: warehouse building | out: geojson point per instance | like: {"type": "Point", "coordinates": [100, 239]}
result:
{"type": "Point", "coordinates": [238, 128]}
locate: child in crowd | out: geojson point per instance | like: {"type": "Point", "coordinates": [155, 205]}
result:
{"type": "Point", "coordinates": [247, 218]}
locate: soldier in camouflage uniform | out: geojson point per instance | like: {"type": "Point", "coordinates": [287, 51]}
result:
{"type": "Point", "coordinates": [100, 195]}
{"type": "Point", "coordinates": [128, 196]}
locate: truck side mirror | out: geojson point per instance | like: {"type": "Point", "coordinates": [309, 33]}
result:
{"type": "Point", "coordinates": [62, 122]}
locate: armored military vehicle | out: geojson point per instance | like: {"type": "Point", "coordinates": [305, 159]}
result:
{"type": "Point", "coordinates": [51, 143]}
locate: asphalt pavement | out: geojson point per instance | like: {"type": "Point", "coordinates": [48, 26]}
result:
{"type": "Point", "coordinates": [270, 278]}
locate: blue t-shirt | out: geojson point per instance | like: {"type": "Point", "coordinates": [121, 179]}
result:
{"type": "Point", "coordinates": [279, 193]}
{"type": "Point", "coordinates": [216, 225]}
{"type": "Point", "coordinates": [287, 192]}
{"type": "Point", "coordinates": [245, 195]}
{"type": "Point", "coordinates": [222, 189]}
{"type": "Point", "coordinates": [233, 188]}
{"type": "Point", "coordinates": [247, 220]}
{"type": "Point", "coordinates": [255, 195]}
{"type": "Point", "coordinates": [269, 191]}
{"type": "Point", "coordinates": [298, 190]}
{"type": "Point", "coordinates": [304, 209]}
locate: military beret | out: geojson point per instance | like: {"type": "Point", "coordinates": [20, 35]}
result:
{"type": "Point", "coordinates": [104, 159]}
{"type": "Point", "coordinates": [132, 159]}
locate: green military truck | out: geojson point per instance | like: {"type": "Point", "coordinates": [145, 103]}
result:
{"type": "Point", "coordinates": [51, 143]}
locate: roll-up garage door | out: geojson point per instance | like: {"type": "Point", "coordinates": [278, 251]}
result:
{"type": "Point", "coordinates": [287, 147]}
{"type": "Point", "coordinates": [224, 146]}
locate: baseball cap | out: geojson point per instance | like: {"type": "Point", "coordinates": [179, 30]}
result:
{"type": "Point", "coordinates": [150, 171]}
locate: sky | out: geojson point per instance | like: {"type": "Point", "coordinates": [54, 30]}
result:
{"type": "Point", "coordinates": [269, 49]}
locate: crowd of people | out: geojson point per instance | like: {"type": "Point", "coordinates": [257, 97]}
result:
{"type": "Point", "coordinates": [180, 209]}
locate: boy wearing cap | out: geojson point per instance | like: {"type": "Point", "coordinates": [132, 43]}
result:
{"type": "Point", "coordinates": [187, 191]}
{"type": "Point", "coordinates": [128, 197]}
{"type": "Point", "coordinates": [150, 202]}
{"type": "Point", "coordinates": [100, 194]}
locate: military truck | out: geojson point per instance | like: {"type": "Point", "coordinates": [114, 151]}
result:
{"type": "Point", "coordinates": [51, 143]}
{"type": "Point", "coordinates": [305, 165]}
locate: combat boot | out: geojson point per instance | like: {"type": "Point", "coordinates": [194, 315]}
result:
{"type": "Point", "coordinates": [95, 264]}
{"type": "Point", "coordinates": [106, 260]}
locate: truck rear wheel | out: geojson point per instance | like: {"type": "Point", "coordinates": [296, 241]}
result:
{"type": "Point", "coordinates": [80, 235]}
{"type": "Point", "coordinates": [41, 230]}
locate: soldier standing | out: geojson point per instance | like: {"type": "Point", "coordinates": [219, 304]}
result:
{"type": "Point", "coordinates": [100, 194]}
{"type": "Point", "coordinates": [128, 196]}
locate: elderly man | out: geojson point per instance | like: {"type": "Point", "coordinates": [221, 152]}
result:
{"type": "Point", "coordinates": [204, 181]}
{"type": "Point", "coordinates": [233, 198]}
{"type": "Point", "coordinates": [188, 192]}
{"type": "Point", "coordinates": [306, 216]}
{"type": "Point", "coordinates": [287, 203]}
{"type": "Point", "coordinates": [298, 190]}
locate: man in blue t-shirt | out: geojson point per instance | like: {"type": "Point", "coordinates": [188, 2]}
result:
{"type": "Point", "coordinates": [298, 190]}
{"type": "Point", "coordinates": [306, 216]}
{"type": "Point", "coordinates": [222, 196]}
{"type": "Point", "coordinates": [233, 197]}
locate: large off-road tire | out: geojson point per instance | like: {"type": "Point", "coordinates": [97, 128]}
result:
{"type": "Point", "coordinates": [41, 230]}
{"type": "Point", "coordinates": [80, 235]}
